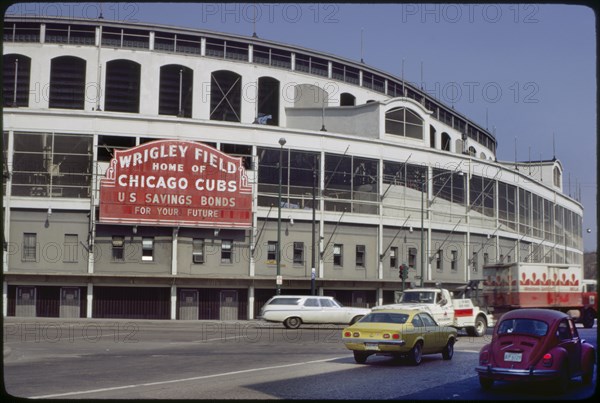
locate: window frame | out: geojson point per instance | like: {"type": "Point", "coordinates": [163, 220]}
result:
{"type": "Point", "coordinates": [148, 249]}
{"type": "Point", "coordinates": [29, 247]}
{"type": "Point", "coordinates": [198, 245]}
{"type": "Point", "coordinates": [227, 251]}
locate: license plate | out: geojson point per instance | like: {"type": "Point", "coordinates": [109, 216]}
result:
{"type": "Point", "coordinates": [513, 357]}
{"type": "Point", "coordinates": [372, 346]}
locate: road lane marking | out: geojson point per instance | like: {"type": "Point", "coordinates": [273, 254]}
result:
{"type": "Point", "coordinates": [183, 379]}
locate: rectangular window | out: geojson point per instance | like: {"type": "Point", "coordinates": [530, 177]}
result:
{"type": "Point", "coordinates": [360, 255]}
{"type": "Point", "coordinates": [412, 258]}
{"type": "Point", "coordinates": [338, 251]}
{"type": "Point", "coordinates": [486, 258]}
{"type": "Point", "coordinates": [70, 248]}
{"type": "Point", "coordinates": [118, 246]}
{"type": "Point", "coordinates": [226, 251]}
{"type": "Point", "coordinates": [475, 261]}
{"type": "Point", "coordinates": [29, 247]}
{"type": "Point", "coordinates": [147, 249]}
{"type": "Point", "coordinates": [439, 259]}
{"type": "Point", "coordinates": [454, 262]}
{"type": "Point", "coordinates": [393, 257]}
{"type": "Point", "coordinates": [272, 250]}
{"type": "Point", "coordinates": [198, 250]}
{"type": "Point", "coordinates": [298, 252]}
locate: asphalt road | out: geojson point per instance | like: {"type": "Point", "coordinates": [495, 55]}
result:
{"type": "Point", "coordinates": [124, 359]}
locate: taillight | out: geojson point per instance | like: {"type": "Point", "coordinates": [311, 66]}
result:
{"type": "Point", "coordinates": [386, 336]}
{"type": "Point", "coordinates": [395, 336]}
{"type": "Point", "coordinates": [356, 334]}
{"type": "Point", "coordinates": [547, 360]}
{"type": "Point", "coordinates": [484, 357]}
{"type": "Point", "coordinates": [347, 334]}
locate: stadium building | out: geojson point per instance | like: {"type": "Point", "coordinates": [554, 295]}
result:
{"type": "Point", "coordinates": [154, 172]}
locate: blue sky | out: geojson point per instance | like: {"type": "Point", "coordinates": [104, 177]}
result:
{"type": "Point", "coordinates": [527, 72]}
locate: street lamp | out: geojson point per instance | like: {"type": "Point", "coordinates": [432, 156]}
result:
{"type": "Point", "coordinates": [278, 251]}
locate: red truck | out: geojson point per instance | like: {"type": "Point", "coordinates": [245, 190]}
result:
{"type": "Point", "coordinates": [540, 285]}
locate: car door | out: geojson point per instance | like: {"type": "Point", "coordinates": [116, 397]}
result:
{"type": "Point", "coordinates": [331, 313]}
{"type": "Point", "coordinates": [431, 337]}
{"type": "Point", "coordinates": [311, 311]}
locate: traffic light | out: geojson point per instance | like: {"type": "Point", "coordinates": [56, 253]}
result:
{"type": "Point", "coordinates": [403, 271]}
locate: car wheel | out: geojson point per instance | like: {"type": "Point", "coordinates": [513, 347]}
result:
{"type": "Point", "coordinates": [360, 357]}
{"type": "Point", "coordinates": [588, 375]}
{"type": "Point", "coordinates": [356, 319]}
{"type": "Point", "coordinates": [561, 384]}
{"type": "Point", "coordinates": [479, 329]}
{"type": "Point", "coordinates": [416, 354]}
{"type": "Point", "coordinates": [292, 323]}
{"type": "Point", "coordinates": [486, 383]}
{"type": "Point", "coordinates": [448, 351]}
{"type": "Point", "coordinates": [588, 319]}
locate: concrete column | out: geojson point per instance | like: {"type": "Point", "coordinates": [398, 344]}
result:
{"type": "Point", "coordinates": [90, 300]}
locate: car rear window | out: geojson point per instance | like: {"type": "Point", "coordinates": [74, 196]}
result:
{"type": "Point", "coordinates": [384, 317]}
{"type": "Point", "coordinates": [531, 327]}
{"type": "Point", "coordinates": [284, 301]}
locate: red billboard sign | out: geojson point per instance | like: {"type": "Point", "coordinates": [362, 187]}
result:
{"type": "Point", "coordinates": [176, 183]}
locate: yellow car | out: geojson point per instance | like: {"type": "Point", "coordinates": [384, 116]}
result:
{"type": "Point", "coordinates": [399, 332]}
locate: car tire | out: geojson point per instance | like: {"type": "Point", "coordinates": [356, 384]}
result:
{"type": "Point", "coordinates": [479, 329]}
{"type": "Point", "coordinates": [486, 383]}
{"type": "Point", "coordinates": [562, 382]}
{"type": "Point", "coordinates": [360, 357]}
{"type": "Point", "coordinates": [356, 319]}
{"type": "Point", "coordinates": [415, 355]}
{"type": "Point", "coordinates": [293, 322]}
{"type": "Point", "coordinates": [448, 351]}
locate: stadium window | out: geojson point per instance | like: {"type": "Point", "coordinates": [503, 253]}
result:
{"type": "Point", "coordinates": [118, 248]}
{"type": "Point", "coordinates": [70, 248]}
{"type": "Point", "coordinates": [268, 101]}
{"type": "Point", "coordinates": [298, 252]}
{"type": "Point", "coordinates": [360, 255]}
{"type": "Point", "coordinates": [338, 251]}
{"type": "Point", "coordinates": [272, 250]}
{"type": "Point", "coordinates": [225, 96]}
{"type": "Point", "coordinates": [198, 250]}
{"type": "Point", "coordinates": [412, 258]}
{"type": "Point", "coordinates": [226, 251]}
{"type": "Point", "coordinates": [17, 68]}
{"type": "Point", "coordinates": [29, 247]}
{"type": "Point", "coordinates": [394, 257]}
{"type": "Point", "coordinates": [122, 93]}
{"type": "Point", "coordinates": [67, 83]}
{"type": "Point", "coordinates": [404, 122]}
{"type": "Point", "coordinates": [475, 261]}
{"type": "Point", "coordinates": [454, 261]}
{"type": "Point", "coordinates": [147, 249]}
{"type": "Point", "coordinates": [176, 90]}
{"type": "Point", "coordinates": [439, 260]}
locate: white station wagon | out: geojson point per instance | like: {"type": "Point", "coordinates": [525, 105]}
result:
{"type": "Point", "coordinates": [294, 310]}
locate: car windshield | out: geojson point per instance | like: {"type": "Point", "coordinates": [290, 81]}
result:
{"type": "Point", "coordinates": [385, 317]}
{"type": "Point", "coordinates": [421, 296]}
{"type": "Point", "coordinates": [530, 327]}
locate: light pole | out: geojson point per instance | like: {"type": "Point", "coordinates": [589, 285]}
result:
{"type": "Point", "coordinates": [313, 272]}
{"type": "Point", "coordinates": [423, 183]}
{"type": "Point", "coordinates": [278, 251]}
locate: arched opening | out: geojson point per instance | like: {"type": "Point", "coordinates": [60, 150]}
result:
{"type": "Point", "coordinates": [226, 96]}
{"type": "Point", "coordinates": [176, 90]}
{"type": "Point", "coordinates": [557, 176]}
{"type": "Point", "coordinates": [67, 83]}
{"type": "Point", "coordinates": [347, 99]}
{"type": "Point", "coordinates": [472, 151]}
{"type": "Point", "coordinates": [15, 80]}
{"type": "Point", "coordinates": [268, 101]}
{"type": "Point", "coordinates": [431, 136]}
{"type": "Point", "coordinates": [122, 86]}
{"type": "Point", "coordinates": [404, 122]}
{"type": "Point", "coordinates": [445, 146]}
